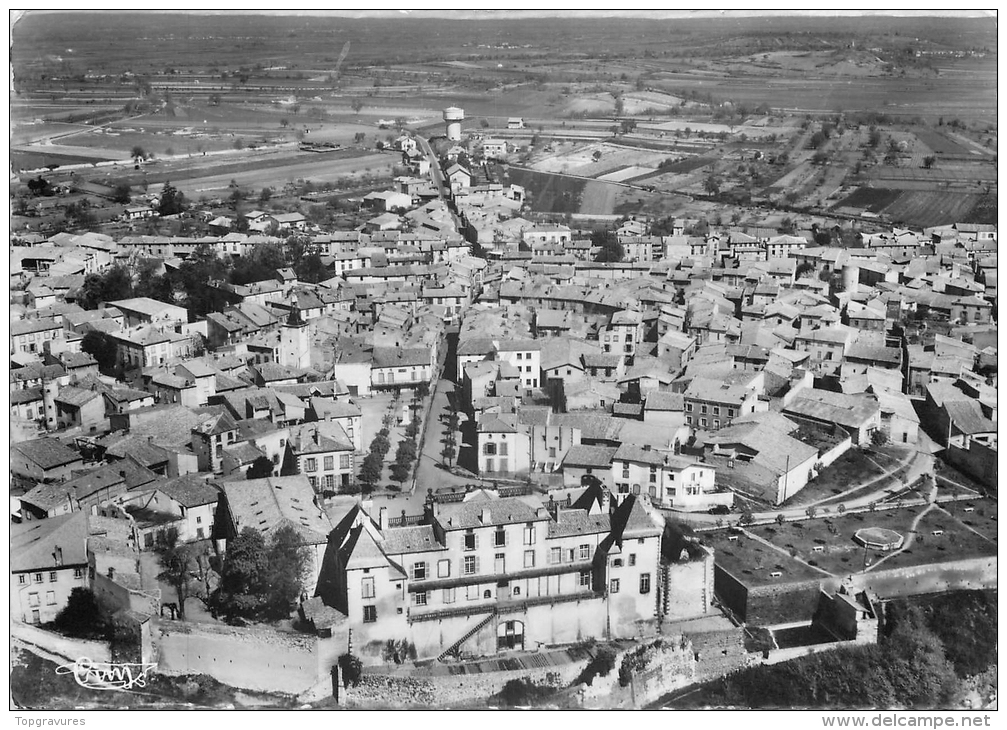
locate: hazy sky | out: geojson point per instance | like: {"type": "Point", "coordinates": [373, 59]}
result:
{"type": "Point", "coordinates": [525, 13]}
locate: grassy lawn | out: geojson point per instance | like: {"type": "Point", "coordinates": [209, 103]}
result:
{"type": "Point", "coordinates": [840, 554]}
{"type": "Point", "coordinates": [853, 467]}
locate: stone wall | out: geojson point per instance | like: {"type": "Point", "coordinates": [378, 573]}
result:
{"type": "Point", "coordinates": [719, 652]}
{"type": "Point", "coordinates": [689, 587]}
{"type": "Point", "coordinates": [63, 646]}
{"type": "Point", "coordinates": [672, 666]}
{"type": "Point", "coordinates": [401, 690]}
{"type": "Point", "coordinates": [782, 602]}
{"type": "Point", "coordinates": [257, 659]}
{"type": "Point", "coordinates": [970, 575]}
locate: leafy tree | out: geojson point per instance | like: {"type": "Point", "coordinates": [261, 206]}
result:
{"type": "Point", "coordinates": [356, 105]}
{"type": "Point", "coordinates": [370, 469]}
{"type": "Point", "coordinates": [358, 138]}
{"type": "Point", "coordinates": [811, 511]}
{"type": "Point", "coordinates": [179, 563]}
{"type": "Point", "coordinates": [102, 348]}
{"type": "Point", "coordinates": [780, 519]}
{"type": "Point", "coordinates": [201, 268]}
{"type": "Point", "coordinates": [747, 517]}
{"type": "Point", "coordinates": [261, 468]}
{"type": "Point", "coordinates": [265, 195]}
{"type": "Point", "coordinates": [352, 669]}
{"type": "Point", "coordinates": [928, 162]}
{"type": "Point", "coordinates": [879, 437]}
{"type": "Point", "coordinates": [288, 562]}
{"type": "Point", "coordinates": [711, 185]}
{"type": "Point", "coordinates": [82, 616]}
{"type": "Point", "coordinates": [172, 200]}
{"type": "Point", "coordinates": [242, 591]}
{"type": "Point", "coordinates": [311, 269]}
{"type": "Point", "coordinates": [610, 248]}
{"type": "Point", "coordinates": [448, 454]}
{"type": "Point", "coordinates": [138, 154]}
{"type": "Point", "coordinates": [121, 193]}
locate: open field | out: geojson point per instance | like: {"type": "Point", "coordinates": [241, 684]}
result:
{"type": "Point", "coordinates": [942, 145]}
{"type": "Point", "coordinates": [920, 208]}
{"type": "Point", "coordinates": [872, 199]}
{"type": "Point", "coordinates": [549, 193]}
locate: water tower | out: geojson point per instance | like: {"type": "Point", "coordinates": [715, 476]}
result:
{"type": "Point", "coordinates": [453, 117]}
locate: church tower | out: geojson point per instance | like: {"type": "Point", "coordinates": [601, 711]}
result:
{"type": "Point", "coordinates": [295, 351]}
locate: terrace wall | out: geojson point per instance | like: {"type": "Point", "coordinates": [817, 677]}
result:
{"type": "Point", "coordinates": [449, 690]}
{"type": "Point", "coordinates": [970, 574]}
{"type": "Point", "coordinates": [257, 659]}
{"type": "Point", "coordinates": [978, 461]}
{"type": "Point", "coordinates": [63, 646]}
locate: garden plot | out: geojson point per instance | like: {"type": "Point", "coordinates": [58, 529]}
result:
{"type": "Point", "coordinates": [627, 173]}
{"type": "Point", "coordinates": [580, 160]}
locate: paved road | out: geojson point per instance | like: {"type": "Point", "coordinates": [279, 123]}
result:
{"type": "Point", "coordinates": [428, 474]}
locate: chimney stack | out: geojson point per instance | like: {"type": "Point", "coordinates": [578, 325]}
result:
{"type": "Point", "coordinates": [606, 501]}
{"type": "Point", "coordinates": [383, 519]}
{"type": "Point", "coordinates": [58, 556]}
{"type": "Point", "coordinates": [484, 516]}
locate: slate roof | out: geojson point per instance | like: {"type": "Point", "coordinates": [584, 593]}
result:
{"type": "Point", "coordinates": [33, 543]}
{"type": "Point", "coordinates": [190, 490]}
{"type": "Point", "coordinates": [502, 511]}
{"type": "Point", "coordinates": [411, 539]}
{"type": "Point", "coordinates": [47, 453]}
{"type": "Point", "coordinates": [270, 503]}
{"type": "Point", "coordinates": [581, 455]}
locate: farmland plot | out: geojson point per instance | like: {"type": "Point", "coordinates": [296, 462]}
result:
{"type": "Point", "coordinates": [929, 208]}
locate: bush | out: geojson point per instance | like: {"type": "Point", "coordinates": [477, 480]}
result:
{"type": "Point", "coordinates": [601, 666]}
{"type": "Point", "coordinates": [81, 617]}
{"type": "Point", "coordinates": [523, 692]}
{"type": "Point", "coordinates": [352, 669]}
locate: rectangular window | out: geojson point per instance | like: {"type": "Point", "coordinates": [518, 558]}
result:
{"type": "Point", "coordinates": [472, 593]}
{"type": "Point", "coordinates": [529, 534]}
{"type": "Point", "coordinates": [50, 598]}
{"type": "Point", "coordinates": [571, 555]}
{"type": "Point", "coordinates": [420, 599]}
{"type": "Point", "coordinates": [552, 452]}
{"type": "Point", "coordinates": [617, 563]}
{"type": "Point", "coordinates": [585, 578]}
{"type": "Point", "coordinates": [330, 482]}
{"type": "Point", "coordinates": [370, 614]}
{"type": "Point", "coordinates": [367, 588]}
{"type": "Point", "coordinates": [613, 586]}
{"type": "Point", "coordinates": [78, 572]}
{"type": "Point", "coordinates": [449, 595]}
{"type": "Point", "coordinates": [313, 481]}
{"type": "Point", "coordinates": [499, 537]}
{"type": "Point", "coordinates": [344, 461]}
{"type": "Point", "coordinates": [443, 568]}
{"type": "Point", "coordinates": [585, 552]}
{"type": "Point", "coordinates": [645, 583]}
{"type": "Point", "coordinates": [469, 565]}
{"type": "Point", "coordinates": [555, 556]}
{"type": "Point", "coordinates": [33, 599]}
{"type": "Point", "coordinates": [328, 463]}
{"type": "Point", "coordinates": [37, 577]}
{"type": "Point", "coordinates": [470, 540]}
{"type": "Point", "coordinates": [22, 579]}
{"type": "Point", "coordinates": [52, 576]}
{"type": "Point", "coordinates": [419, 571]}
{"type": "Point", "coordinates": [309, 465]}
{"type": "Point", "coordinates": [529, 558]}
